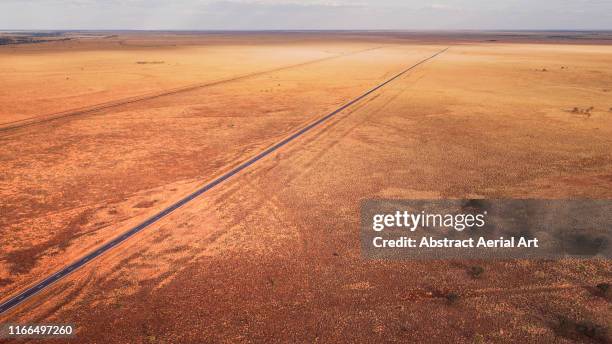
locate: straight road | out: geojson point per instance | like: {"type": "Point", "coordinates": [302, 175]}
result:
{"type": "Point", "coordinates": [45, 283]}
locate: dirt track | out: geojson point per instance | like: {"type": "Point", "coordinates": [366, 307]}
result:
{"type": "Point", "coordinates": [96, 109]}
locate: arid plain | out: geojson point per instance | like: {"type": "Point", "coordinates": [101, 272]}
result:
{"type": "Point", "coordinates": [101, 131]}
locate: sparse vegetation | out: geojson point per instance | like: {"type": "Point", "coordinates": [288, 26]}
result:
{"type": "Point", "coordinates": [582, 330]}
{"type": "Point", "coordinates": [30, 38]}
{"type": "Point", "coordinates": [5, 281]}
{"type": "Point", "coordinates": [476, 271]}
{"type": "Point", "coordinates": [451, 298]}
{"type": "Point", "coordinates": [604, 289]}
{"type": "Point", "coordinates": [586, 111]}
{"type": "Point", "coordinates": [478, 339]}
{"type": "Point", "coordinates": [267, 246]}
{"type": "Point", "coordinates": [145, 204]}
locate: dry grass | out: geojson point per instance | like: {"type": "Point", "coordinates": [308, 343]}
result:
{"type": "Point", "coordinates": [274, 252]}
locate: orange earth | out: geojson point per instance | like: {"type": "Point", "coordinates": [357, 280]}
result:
{"type": "Point", "coordinates": [99, 132]}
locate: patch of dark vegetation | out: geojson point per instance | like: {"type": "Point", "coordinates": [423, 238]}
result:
{"type": "Point", "coordinates": [585, 36]}
{"type": "Point", "coordinates": [31, 38]}
{"type": "Point", "coordinates": [23, 260]}
{"type": "Point", "coordinates": [474, 205]}
{"type": "Point", "coordinates": [45, 34]}
{"type": "Point", "coordinates": [101, 224]}
{"type": "Point", "coordinates": [585, 112]}
{"type": "Point", "coordinates": [478, 339]}
{"type": "Point", "coordinates": [176, 249]}
{"type": "Point", "coordinates": [5, 281]}
{"type": "Point", "coordinates": [449, 296]}
{"type": "Point", "coordinates": [560, 36]}
{"type": "Point", "coordinates": [127, 261]}
{"type": "Point", "coordinates": [75, 290]}
{"type": "Point", "coordinates": [145, 204]}
{"type": "Point", "coordinates": [602, 290]}
{"type": "Point", "coordinates": [161, 237]}
{"type": "Point", "coordinates": [475, 271]}
{"type": "Point", "coordinates": [604, 287]}
{"type": "Point", "coordinates": [582, 331]}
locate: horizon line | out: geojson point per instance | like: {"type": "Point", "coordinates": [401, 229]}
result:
{"type": "Point", "coordinates": [305, 30]}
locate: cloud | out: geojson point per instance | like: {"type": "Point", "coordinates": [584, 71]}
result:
{"type": "Point", "coordinates": [443, 7]}
{"type": "Point", "coordinates": [305, 14]}
{"type": "Point", "coordinates": [305, 3]}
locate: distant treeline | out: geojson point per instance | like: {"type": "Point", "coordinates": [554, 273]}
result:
{"type": "Point", "coordinates": [29, 39]}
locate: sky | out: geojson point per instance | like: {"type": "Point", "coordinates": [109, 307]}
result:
{"type": "Point", "coordinates": [306, 14]}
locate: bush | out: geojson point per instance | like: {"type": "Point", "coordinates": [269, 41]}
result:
{"type": "Point", "coordinates": [476, 271]}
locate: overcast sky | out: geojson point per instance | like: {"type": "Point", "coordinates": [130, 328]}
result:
{"type": "Point", "coordinates": [306, 14]}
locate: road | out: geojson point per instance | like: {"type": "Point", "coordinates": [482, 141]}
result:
{"type": "Point", "coordinates": [45, 283]}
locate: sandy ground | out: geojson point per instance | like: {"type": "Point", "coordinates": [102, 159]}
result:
{"type": "Point", "coordinates": [38, 81]}
{"type": "Point", "coordinates": [273, 254]}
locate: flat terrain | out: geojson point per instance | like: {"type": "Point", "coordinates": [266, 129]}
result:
{"type": "Point", "coordinates": [273, 253]}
